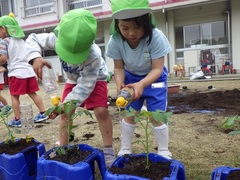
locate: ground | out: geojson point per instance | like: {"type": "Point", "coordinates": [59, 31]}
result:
{"type": "Point", "coordinates": [195, 136]}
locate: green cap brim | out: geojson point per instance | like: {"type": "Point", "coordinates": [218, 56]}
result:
{"type": "Point", "coordinates": [112, 26]}
{"type": "Point", "coordinates": [130, 13]}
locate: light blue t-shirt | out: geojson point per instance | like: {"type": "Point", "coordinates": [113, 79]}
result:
{"type": "Point", "coordinates": [138, 61]}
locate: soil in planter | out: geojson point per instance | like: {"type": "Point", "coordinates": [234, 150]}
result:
{"type": "Point", "coordinates": [73, 155]}
{"type": "Point", "coordinates": [233, 175]}
{"type": "Point", "coordinates": [16, 147]}
{"type": "Point", "coordinates": [136, 166]}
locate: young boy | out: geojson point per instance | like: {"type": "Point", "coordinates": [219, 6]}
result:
{"type": "Point", "coordinates": [22, 78]}
{"type": "Point", "coordinates": [86, 70]}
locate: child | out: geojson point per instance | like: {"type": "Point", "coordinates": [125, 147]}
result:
{"type": "Point", "coordinates": [3, 100]}
{"type": "Point", "coordinates": [22, 78]}
{"type": "Point", "coordinates": [138, 50]}
{"type": "Point", "coordinates": [84, 66]}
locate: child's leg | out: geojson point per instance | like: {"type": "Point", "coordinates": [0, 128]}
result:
{"type": "Point", "coordinates": [98, 102]}
{"type": "Point", "coordinates": [3, 100]}
{"type": "Point", "coordinates": [37, 101]}
{"type": "Point", "coordinates": [105, 125]}
{"type": "Point", "coordinates": [127, 130]}
{"type": "Point", "coordinates": [161, 135]}
{"type": "Point", "coordinates": [16, 106]}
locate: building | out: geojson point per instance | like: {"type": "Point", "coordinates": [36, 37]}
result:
{"type": "Point", "coordinates": [197, 29]}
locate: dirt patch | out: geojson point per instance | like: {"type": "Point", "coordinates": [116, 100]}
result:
{"type": "Point", "coordinates": [195, 136]}
{"type": "Point", "coordinates": [216, 102]}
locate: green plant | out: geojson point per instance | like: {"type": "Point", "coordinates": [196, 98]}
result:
{"type": "Point", "coordinates": [233, 123]}
{"type": "Point", "coordinates": [154, 117]}
{"type": "Point", "coordinates": [10, 131]}
{"type": "Point", "coordinates": [68, 108]}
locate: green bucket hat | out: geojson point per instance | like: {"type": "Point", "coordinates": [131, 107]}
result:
{"type": "Point", "coordinates": [14, 30]}
{"type": "Point", "coordinates": [75, 35]}
{"type": "Point", "coordinates": [125, 9]}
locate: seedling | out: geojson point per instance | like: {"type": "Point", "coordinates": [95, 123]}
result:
{"type": "Point", "coordinates": [10, 131]}
{"type": "Point", "coordinates": [68, 108]}
{"type": "Point", "coordinates": [154, 117]}
{"type": "Point", "coordinates": [233, 123]}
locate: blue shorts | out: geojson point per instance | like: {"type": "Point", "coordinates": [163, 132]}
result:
{"type": "Point", "coordinates": [154, 94]}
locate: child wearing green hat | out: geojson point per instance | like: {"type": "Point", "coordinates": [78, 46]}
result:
{"type": "Point", "coordinates": [138, 50]}
{"type": "Point", "coordinates": [22, 78]}
{"type": "Point", "coordinates": [86, 70]}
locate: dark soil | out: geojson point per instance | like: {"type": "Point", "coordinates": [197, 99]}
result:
{"type": "Point", "coordinates": [136, 166]}
{"type": "Point", "coordinates": [215, 102]}
{"type": "Point", "coordinates": [233, 175]}
{"type": "Point", "coordinates": [14, 148]}
{"type": "Point", "coordinates": [72, 155]}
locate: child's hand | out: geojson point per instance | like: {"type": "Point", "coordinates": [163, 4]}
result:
{"type": "Point", "coordinates": [54, 111]}
{"type": "Point", "coordinates": [37, 64]}
{"type": "Point", "coordinates": [138, 90]}
{"type": "Point", "coordinates": [53, 115]}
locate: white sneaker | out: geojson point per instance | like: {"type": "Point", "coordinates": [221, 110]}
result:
{"type": "Point", "coordinates": [124, 151]}
{"type": "Point", "coordinates": [166, 154]}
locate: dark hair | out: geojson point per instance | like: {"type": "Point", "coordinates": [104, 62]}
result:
{"type": "Point", "coordinates": [140, 21]}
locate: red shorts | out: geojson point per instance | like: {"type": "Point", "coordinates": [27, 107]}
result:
{"type": "Point", "coordinates": [1, 86]}
{"type": "Point", "coordinates": [98, 98]}
{"type": "Point", "coordinates": [19, 86]}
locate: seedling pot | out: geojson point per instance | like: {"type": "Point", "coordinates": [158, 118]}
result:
{"type": "Point", "coordinates": [23, 165]}
{"type": "Point", "coordinates": [51, 169]}
{"type": "Point", "coordinates": [176, 167]}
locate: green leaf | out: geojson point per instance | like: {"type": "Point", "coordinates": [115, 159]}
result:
{"type": "Point", "coordinates": [230, 122]}
{"type": "Point", "coordinates": [88, 113]}
{"type": "Point", "coordinates": [50, 110]}
{"type": "Point", "coordinates": [74, 126]}
{"type": "Point", "coordinates": [234, 132]}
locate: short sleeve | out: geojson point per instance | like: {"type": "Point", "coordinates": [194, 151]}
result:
{"type": "Point", "coordinates": [113, 48]}
{"type": "Point", "coordinates": [160, 45]}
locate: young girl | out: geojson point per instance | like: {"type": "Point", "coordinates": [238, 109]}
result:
{"type": "Point", "coordinates": [138, 50]}
{"type": "Point", "coordinates": [22, 78]}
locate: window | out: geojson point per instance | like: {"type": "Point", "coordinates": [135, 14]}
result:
{"type": "Point", "coordinates": [4, 8]}
{"type": "Point", "coordinates": [36, 7]}
{"type": "Point", "coordinates": [75, 4]}
{"type": "Point", "coordinates": [205, 34]}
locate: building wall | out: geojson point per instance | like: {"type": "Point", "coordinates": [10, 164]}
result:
{"type": "Point", "coordinates": [168, 13]}
{"type": "Point", "coordinates": [235, 14]}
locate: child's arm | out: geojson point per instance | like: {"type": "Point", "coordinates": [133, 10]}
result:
{"type": "Point", "coordinates": [35, 44]}
{"type": "Point", "coordinates": [2, 69]}
{"type": "Point", "coordinates": [3, 59]}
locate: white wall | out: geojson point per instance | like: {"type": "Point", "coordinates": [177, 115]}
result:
{"type": "Point", "coordinates": [235, 33]}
